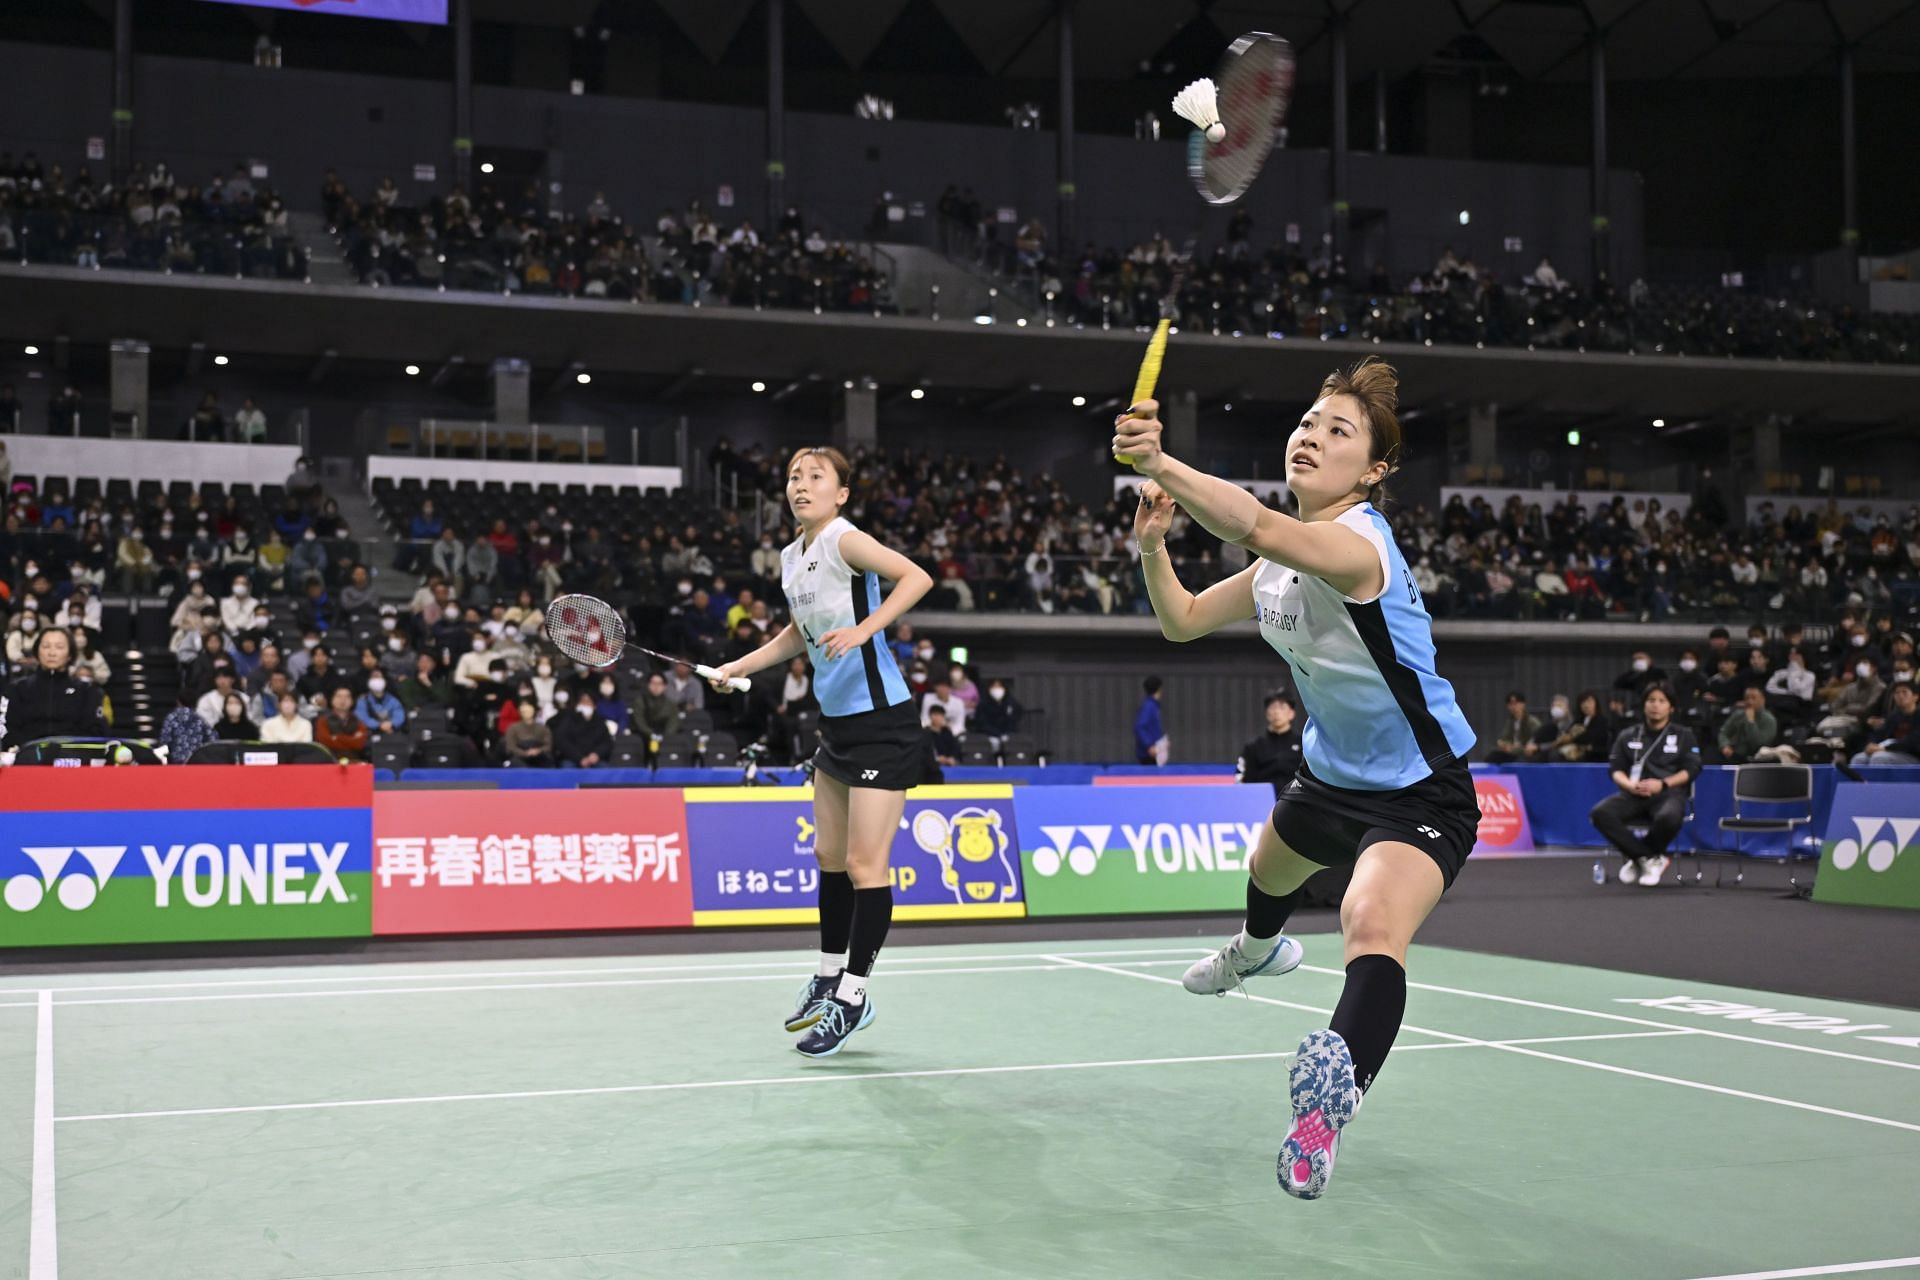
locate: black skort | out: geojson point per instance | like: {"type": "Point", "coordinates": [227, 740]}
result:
{"type": "Point", "coordinates": [1333, 826]}
{"type": "Point", "coordinates": [884, 749]}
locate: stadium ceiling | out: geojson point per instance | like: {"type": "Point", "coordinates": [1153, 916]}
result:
{"type": "Point", "coordinates": [1120, 39]}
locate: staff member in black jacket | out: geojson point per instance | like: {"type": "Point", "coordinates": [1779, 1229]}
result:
{"type": "Point", "coordinates": [49, 701]}
{"type": "Point", "coordinates": [1654, 764]}
{"type": "Point", "coordinates": [1274, 756]}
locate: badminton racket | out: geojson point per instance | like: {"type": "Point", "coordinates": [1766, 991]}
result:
{"type": "Point", "coordinates": [1255, 88]}
{"type": "Point", "coordinates": [589, 631]}
{"type": "Point", "coordinates": [1149, 376]}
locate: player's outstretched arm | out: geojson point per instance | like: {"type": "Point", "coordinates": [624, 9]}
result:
{"type": "Point", "coordinates": [1326, 550]}
{"type": "Point", "coordinates": [1182, 615]}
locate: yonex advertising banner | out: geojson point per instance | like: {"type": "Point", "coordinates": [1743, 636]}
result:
{"type": "Point", "coordinates": [1503, 816]}
{"type": "Point", "coordinates": [955, 856]}
{"type": "Point", "coordinates": [506, 861]}
{"type": "Point", "coordinates": [1871, 850]}
{"type": "Point", "coordinates": [1114, 850]}
{"type": "Point", "coordinates": [202, 854]}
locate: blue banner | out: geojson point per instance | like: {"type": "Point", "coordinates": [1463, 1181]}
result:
{"type": "Point", "coordinates": [751, 851]}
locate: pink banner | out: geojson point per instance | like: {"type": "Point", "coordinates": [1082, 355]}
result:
{"type": "Point", "coordinates": [1503, 816]}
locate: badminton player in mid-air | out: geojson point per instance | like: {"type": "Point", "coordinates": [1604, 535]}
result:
{"type": "Point", "coordinates": [1384, 785]}
{"type": "Point", "coordinates": [870, 739]}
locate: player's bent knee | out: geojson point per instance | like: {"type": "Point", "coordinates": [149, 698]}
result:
{"type": "Point", "coordinates": [1369, 926]}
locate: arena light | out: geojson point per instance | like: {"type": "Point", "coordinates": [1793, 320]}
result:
{"type": "Point", "coordinates": [918, 393]}
{"type": "Point", "coordinates": [758, 387]}
{"type": "Point", "coordinates": [1079, 402]}
{"type": "Point", "coordinates": [1659, 422]}
{"type": "Point", "coordinates": [32, 350]}
{"type": "Point", "coordinates": [1465, 217]}
{"type": "Point", "coordinates": [413, 371]}
{"type": "Point", "coordinates": [583, 378]}
{"type": "Point", "coordinates": [221, 361]}
{"type": "Point", "coordinates": [486, 166]}
{"type": "Point", "coordinates": [1573, 437]}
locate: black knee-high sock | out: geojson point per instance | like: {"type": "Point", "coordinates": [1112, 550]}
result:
{"type": "Point", "coordinates": [836, 911]}
{"type": "Point", "coordinates": [1368, 1015]}
{"type": "Point", "coordinates": [872, 915]}
{"type": "Point", "coordinates": [1266, 914]}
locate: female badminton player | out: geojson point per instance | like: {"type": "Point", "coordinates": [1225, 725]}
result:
{"type": "Point", "coordinates": [1384, 785]}
{"type": "Point", "coordinates": [870, 738]}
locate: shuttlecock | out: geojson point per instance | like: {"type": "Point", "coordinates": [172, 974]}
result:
{"type": "Point", "coordinates": [1198, 103]}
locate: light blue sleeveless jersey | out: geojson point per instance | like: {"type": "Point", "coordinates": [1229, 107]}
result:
{"type": "Point", "coordinates": [824, 593]}
{"type": "Point", "coordinates": [1379, 717]}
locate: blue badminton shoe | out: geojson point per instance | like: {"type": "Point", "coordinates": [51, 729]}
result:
{"type": "Point", "coordinates": [838, 1021]}
{"type": "Point", "coordinates": [806, 1010]}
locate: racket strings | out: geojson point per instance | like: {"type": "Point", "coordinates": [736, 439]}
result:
{"type": "Point", "coordinates": [586, 630]}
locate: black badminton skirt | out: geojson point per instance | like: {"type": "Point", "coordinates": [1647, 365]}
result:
{"type": "Point", "coordinates": [884, 749]}
{"type": "Point", "coordinates": [1333, 826]}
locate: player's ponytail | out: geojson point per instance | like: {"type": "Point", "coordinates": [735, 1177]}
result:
{"type": "Point", "coordinates": [1374, 383]}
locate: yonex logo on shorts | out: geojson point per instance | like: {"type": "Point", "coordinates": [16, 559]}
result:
{"type": "Point", "coordinates": [1881, 853]}
{"type": "Point", "coordinates": [869, 774]}
{"type": "Point", "coordinates": [76, 892]}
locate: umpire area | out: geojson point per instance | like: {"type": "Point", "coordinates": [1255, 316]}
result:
{"type": "Point", "coordinates": [1024, 1108]}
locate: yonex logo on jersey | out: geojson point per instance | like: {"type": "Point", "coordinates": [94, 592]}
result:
{"type": "Point", "coordinates": [812, 565]}
{"type": "Point", "coordinates": [1881, 853]}
{"type": "Point", "coordinates": [1428, 832]}
{"type": "Point", "coordinates": [76, 892]}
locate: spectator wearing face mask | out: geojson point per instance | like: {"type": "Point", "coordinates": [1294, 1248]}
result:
{"type": "Point", "coordinates": [1689, 685]}
{"type": "Point", "coordinates": [1552, 733]}
{"type": "Point", "coordinates": [1790, 690]}
{"type": "Point", "coordinates": [998, 713]}
{"type": "Point", "coordinates": [612, 709]}
{"type": "Point", "coordinates": [378, 708]}
{"type": "Point", "coordinates": [134, 559]}
{"type": "Point", "coordinates": [1639, 676]}
{"type": "Point", "coordinates": [397, 657]}
{"type": "Point", "coordinates": [470, 672]}
{"type": "Point", "coordinates": [236, 611]}
{"type": "Point", "coordinates": [212, 703]}
{"type": "Point", "coordinates": [1896, 740]}
{"type": "Point", "coordinates": [544, 687]}
{"type": "Point", "coordinates": [1851, 698]}
{"type": "Point", "coordinates": [964, 688]}
{"type": "Point", "coordinates": [234, 724]}
{"type": "Point", "coordinates": [581, 738]}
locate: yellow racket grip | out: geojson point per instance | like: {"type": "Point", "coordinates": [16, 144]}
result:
{"type": "Point", "coordinates": [1149, 376]}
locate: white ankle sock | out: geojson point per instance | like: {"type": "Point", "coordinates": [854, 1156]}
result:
{"type": "Point", "coordinates": [852, 989]}
{"type": "Point", "coordinates": [1255, 948]}
{"type": "Point", "coordinates": [831, 964]}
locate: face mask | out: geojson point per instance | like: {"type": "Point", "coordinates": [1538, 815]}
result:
{"type": "Point", "coordinates": [396, 644]}
{"type": "Point", "coordinates": [240, 590]}
{"type": "Point", "coordinates": [310, 642]}
{"type": "Point", "coordinates": [388, 624]}
{"type": "Point", "coordinates": [29, 624]}
{"type": "Point", "coordinates": [1686, 664]}
{"type": "Point", "coordinates": [1903, 677]}
{"type": "Point", "coordinates": [562, 698]}
{"type": "Point", "coordinates": [1641, 664]}
{"type": "Point", "coordinates": [544, 540]}
{"type": "Point", "coordinates": [1756, 641]}
{"type": "Point", "coordinates": [479, 644]}
{"type": "Point", "coordinates": [310, 536]}
{"type": "Point", "coordinates": [685, 588]}
{"type": "Point", "coordinates": [586, 711]}
{"type": "Point", "coordinates": [566, 526]}
{"type": "Point", "coordinates": [544, 669]}
{"type": "Point", "coordinates": [996, 693]}
{"type": "Point", "coordinates": [376, 685]}
{"type": "Point", "coordinates": [1863, 670]}
{"type": "Point", "coordinates": [1559, 711]}
{"type": "Point", "coordinates": [955, 676]}
{"type": "Point", "coordinates": [926, 653]}
{"type": "Point", "coordinates": [1859, 640]}
{"type": "Point", "coordinates": [606, 688]}
{"type": "Point", "coordinates": [138, 536]}
{"type": "Point", "coordinates": [193, 575]}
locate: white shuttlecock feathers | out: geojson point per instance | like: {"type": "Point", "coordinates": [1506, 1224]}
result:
{"type": "Point", "coordinates": [1199, 103]}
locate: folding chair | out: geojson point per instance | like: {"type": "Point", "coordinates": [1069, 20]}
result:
{"type": "Point", "coordinates": [1776, 787]}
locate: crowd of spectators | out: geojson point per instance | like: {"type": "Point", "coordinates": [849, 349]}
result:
{"type": "Point", "coordinates": [497, 241]}
{"type": "Point", "coordinates": [1237, 287]}
{"type": "Point", "coordinates": [1844, 694]}
{"type": "Point", "coordinates": [232, 224]}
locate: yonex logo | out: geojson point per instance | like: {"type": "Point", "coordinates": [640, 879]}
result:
{"type": "Point", "coordinates": [1428, 832]}
{"type": "Point", "coordinates": [76, 892]}
{"type": "Point", "coordinates": [1077, 847]}
{"type": "Point", "coordinates": [869, 774]}
{"type": "Point", "coordinates": [1880, 853]}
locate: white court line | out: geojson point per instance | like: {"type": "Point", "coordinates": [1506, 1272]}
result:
{"type": "Point", "coordinates": [1510, 1047]}
{"type": "Point", "coordinates": [798, 961]}
{"type": "Point", "coordinates": [1836, 1269]}
{"type": "Point", "coordinates": [43, 1244]}
{"type": "Point", "coordinates": [1463, 1042]}
{"type": "Point", "coordinates": [534, 986]}
{"type": "Point", "coordinates": [1643, 1022]}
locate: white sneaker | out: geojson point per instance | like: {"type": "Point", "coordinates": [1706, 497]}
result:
{"type": "Point", "coordinates": [1655, 868]}
{"type": "Point", "coordinates": [1629, 871]}
{"type": "Point", "coordinates": [1224, 970]}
